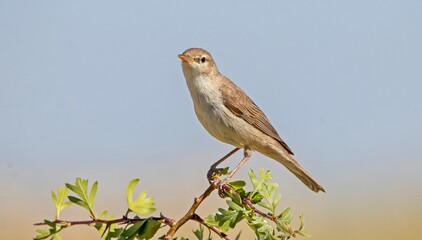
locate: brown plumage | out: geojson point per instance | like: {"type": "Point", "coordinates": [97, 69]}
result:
{"type": "Point", "coordinates": [242, 106]}
{"type": "Point", "coordinates": [229, 115]}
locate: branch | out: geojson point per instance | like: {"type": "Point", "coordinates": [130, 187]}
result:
{"type": "Point", "coordinates": [123, 220]}
{"type": "Point", "coordinates": [241, 206]}
{"type": "Point", "coordinates": [191, 212]}
{"type": "Point", "coordinates": [197, 218]}
{"type": "Point", "coordinates": [248, 202]}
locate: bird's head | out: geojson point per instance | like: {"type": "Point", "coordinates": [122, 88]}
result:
{"type": "Point", "coordinates": [198, 61]}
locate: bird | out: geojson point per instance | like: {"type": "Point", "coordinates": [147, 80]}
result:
{"type": "Point", "coordinates": [229, 115]}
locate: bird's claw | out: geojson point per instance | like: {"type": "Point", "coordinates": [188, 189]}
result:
{"type": "Point", "coordinates": [221, 190]}
{"type": "Point", "coordinates": [214, 174]}
{"type": "Point", "coordinates": [210, 175]}
{"type": "Point", "coordinates": [213, 177]}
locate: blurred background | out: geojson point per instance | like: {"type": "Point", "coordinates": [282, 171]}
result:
{"type": "Point", "coordinates": [95, 90]}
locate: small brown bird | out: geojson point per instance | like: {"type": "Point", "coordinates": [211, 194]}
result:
{"type": "Point", "coordinates": [229, 115]}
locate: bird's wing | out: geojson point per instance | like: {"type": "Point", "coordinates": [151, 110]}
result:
{"type": "Point", "coordinates": [242, 106]}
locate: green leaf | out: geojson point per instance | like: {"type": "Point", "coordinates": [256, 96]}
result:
{"type": "Point", "coordinates": [302, 222]}
{"type": "Point", "coordinates": [210, 220]}
{"type": "Point", "coordinates": [92, 194]}
{"type": "Point", "coordinates": [276, 200]}
{"type": "Point", "coordinates": [131, 232]}
{"type": "Point", "coordinates": [262, 229]}
{"type": "Point", "coordinates": [264, 205]}
{"type": "Point", "coordinates": [78, 201]}
{"type": "Point", "coordinates": [283, 222]}
{"type": "Point", "coordinates": [236, 185]}
{"type": "Point", "coordinates": [302, 226]}
{"type": "Point", "coordinates": [225, 219]}
{"type": "Point", "coordinates": [267, 191]}
{"type": "Point", "coordinates": [56, 237]}
{"type": "Point", "coordinates": [114, 234]}
{"type": "Point", "coordinates": [284, 213]}
{"type": "Point", "coordinates": [223, 171]}
{"type": "Point", "coordinates": [285, 216]}
{"type": "Point", "coordinates": [234, 195]}
{"type": "Point", "coordinates": [129, 189]}
{"type": "Point", "coordinates": [42, 233]}
{"type": "Point", "coordinates": [81, 190]}
{"type": "Point", "coordinates": [199, 233]}
{"type": "Point", "coordinates": [141, 205]}
{"type": "Point", "coordinates": [285, 228]}
{"type": "Point", "coordinates": [264, 176]}
{"type": "Point", "coordinates": [148, 229]}
{"type": "Point", "coordinates": [305, 234]}
{"type": "Point", "coordinates": [256, 198]}
{"type": "Point", "coordinates": [59, 200]}
{"type": "Point", "coordinates": [238, 192]}
{"type": "Point", "coordinates": [234, 206]}
{"type": "Point", "coordinates": [253, 178]}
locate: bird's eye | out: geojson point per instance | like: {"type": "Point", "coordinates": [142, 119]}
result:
{"type": "Point", "coordinates": [203, 59]}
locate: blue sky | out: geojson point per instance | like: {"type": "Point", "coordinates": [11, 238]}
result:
{"type": "Point", "coordinates": [95, 89]}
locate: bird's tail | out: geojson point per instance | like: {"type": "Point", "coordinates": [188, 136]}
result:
{"type": "Point", "coordinates": [294, 167]}
{"type": "Point", "coordinates": [300, 173]}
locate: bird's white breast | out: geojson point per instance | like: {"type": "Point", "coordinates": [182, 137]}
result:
{"type": "Point", "coordinates": [209, 107]}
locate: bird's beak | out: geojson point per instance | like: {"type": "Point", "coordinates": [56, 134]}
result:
{"type": "Point", "coordinates": [185, 58]}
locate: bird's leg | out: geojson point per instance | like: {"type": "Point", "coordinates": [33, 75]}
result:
{"type": "Point", "coordinates": [247, 153]}
{"type": "Point", "coordinates": [213, 167]}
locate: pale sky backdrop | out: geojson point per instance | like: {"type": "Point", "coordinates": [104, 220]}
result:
{"type": "Point", "coordinates": [95, 89]}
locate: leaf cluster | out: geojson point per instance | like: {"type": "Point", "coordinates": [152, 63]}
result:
{"type": "Point", "coordinates": [108, 226]}
{"type": "Point", "coordinates": [267, 223]}
{"type": "Point", "coordinates": [256, 206]}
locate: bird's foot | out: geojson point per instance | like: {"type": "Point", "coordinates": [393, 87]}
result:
{"type": "Point", "coordinates": [222, 187]}
{"type": "Point", "coordinates": [210, 175]}
{"type": "Point", "coordinates": [214, 174]}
